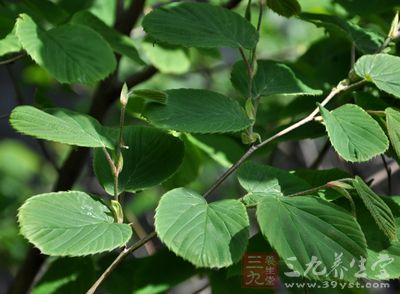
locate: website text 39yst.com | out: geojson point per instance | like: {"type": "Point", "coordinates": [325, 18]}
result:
{"type": "Point", "coordinates": [339, 285]}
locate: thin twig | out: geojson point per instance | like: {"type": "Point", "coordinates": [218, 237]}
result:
{"type": "Point", "coordinates": [124, 253]}
{"type": "Point", "coordinates": [12, 59]}
{"type": "Point", "coordinates": [389, 174]}
{"type": "Point", "coordinates": [140, 231]}
{"type": "Point", "coordinates": [321, 155]}
{"type": "Point", "coordinates": [340, 88]}
{"type": "Point", "coordinates": [3, 116]}
{"type": "Point", "coordinates": [18, 93]}
{"type": "Point", "coordinates": [308, 191]}
{"type": "Point", "coordinates": [21, 101]}
{"type": "Point", "coordinates": [248, 67]}
{"type": "Point", "coordinates": [353, 54]}
{"type": "Point", "coordinates": [47, 155]}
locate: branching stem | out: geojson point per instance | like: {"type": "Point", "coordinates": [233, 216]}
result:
{"type": "Point", "coordinates": [340, 88]}
{"type": "Point", "coordinates": [124, 253]}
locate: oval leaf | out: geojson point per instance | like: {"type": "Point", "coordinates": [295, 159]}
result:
{"type": "Point", "coordinates": [208, 235]}
{"type": "Point", "coordinates": [381, 69]}
{"type": "Point", "coordinates": [354, 134]}
{"type": "Point", "coordinates": [70, 223]}
{"type": "Point", "coordinates": [383, 255]}
{"type": "Point", "coordinates": [198, 111]}
{"type": "Point", "coordinates": [71, 53]}
{"type": "Point", "coordinates": [299, 228]}
{"type": "Point", "coordinates": [271, 78]}
{"type": "Point", "coordinates": [60, 125]}
{"type": "Point", "coordinates": [152, 156]}
{"type": "Point", "coordinates": [200, 25]}
{"type": "Point", "coordinates": [380, 212]}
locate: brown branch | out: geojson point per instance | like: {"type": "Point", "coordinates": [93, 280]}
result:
{"type": "Point", "coordinates": [12, 59]}
{"type": "Point", "coordinates": [340, 88]}
{"type": "Point", "coordinates": [124, 253]}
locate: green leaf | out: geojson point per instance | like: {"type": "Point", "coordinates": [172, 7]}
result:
{"type": "Point", "coordinates": [150, 95]}
{"type": "Point", "coordinates": [383, 254]}
{"type": "Point", "coordinates": [266, 181]}
{"type": "Point", "coordinates": [8, 40]}
{"type": "Point", "coordinates": [380, 212]}
{"type": "Point", "coordinates": [200, 25]}
{"type": "Point", "coordinates": [198, 111]}
{"type": "Point", "coordinates": [303, 227]}
{"type": "Point", "coordinates": [254, 177]}
{"type": "Point", "coordinates": [119, 43]}
{"type": "Point", "coordinates": [285, 8]}
{"type": "Point", "coordinates": [70, 224]}
{"type": "Point", "coordinates": [271, 78]}
{"type": "Point", "coordinates": [152, 156]}
{"type": "Point", "coordinates": [393, 123]}
{"type": "Point", "coordinates": [9, 44]}
{"type": "Point", "coordinates": [60, 125]}
{"type": "Point", "coordinates": [366, 41]}
{"type": "Point", "coordinates": [166, 58]}
{"type": "Point", "coordinates": [71, 53]}
{"type": "Point", "coordinates": [208, 235]}
{"type": "Point", "coordinates": [354, 134]}
{"type": "Point", "coordinates": [382, 70]}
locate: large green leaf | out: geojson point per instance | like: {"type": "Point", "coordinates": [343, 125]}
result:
{"type": "Point", "coordinates": [71, 53]}
{"type": "Point", "coordinates": [393, 127]}
{"type": "Point", "coordinates": [60, 125]}
{"type": "Point", "coordinates": [271, 78]}
{"type": "Point", "coordinates": [167, 58]}
{"type": "Point", "coordinates": [383, 255]}
{"type": "Point", "coordinates": [265, 181]}
{"type": "Point", "coordinates": [299, 228]}
{"type": "Point", "coordinates": [284, 7]}
{"type": "Point", "coordinates": [381, 69]}
{"type": "Point", "coordinates": [366, 41]}
{"type": "Point", "coordinates": [70, 224]}
{"type": "Point", "coordinates": [120, 43]}
{"type": "Point", "coordinates": [208, 235]}
{"type": "Point", "coordinates": [380, 212]}
{"type": "Point", "coordinates": [354, 134]}
{"type": "Point", "coordinates": [152, 156]}
{"type": "Point", "coordinates": [198, 111]}
{"type": "Point", "coordinates": [200, 25]}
